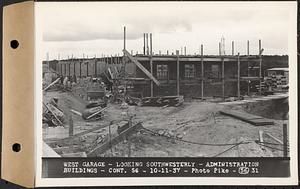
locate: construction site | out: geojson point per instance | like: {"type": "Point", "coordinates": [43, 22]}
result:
{"type": "Point", "coordinates": [169, 104]}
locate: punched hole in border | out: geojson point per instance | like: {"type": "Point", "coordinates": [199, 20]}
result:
{"type": "Point", "coordinates": [16, 147]}
{"type": "Point", "coordinates": [14, 44]}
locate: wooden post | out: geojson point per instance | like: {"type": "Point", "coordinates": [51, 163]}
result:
{"type": "Point", "coordinates": [177, 54]}
{"type": "Point", "coordinates": [220, 49]}
{"type": "Point", "coordinates": [95, 67]}
{"type": "Point", "coordinates": [144, 47]}
{"type": "Point", "coordinates": [248, 71]}
{"type": "Point", "coordinates": [285, 140]}
{"type": "Point", "coordinates": [184, 50]}
{"type": "Point", "coordinates": [260, 60]}
{"type": "Point", "coordinates": [74, 71]}
{"type": "Point", "coordinates": [202, 73]}
{"type": "Point", "coordinates": [261, 138]}
{"type": "Point", "coordinates": [238, 75]}
{"type": "Point", "coordinates": [248, 51]}
{"type": "Point", "coordinates": [87, 69]}
{"type": "Point", "coordinates": [61, 68]}
{"type": "Point", "coordinates": [69, 69]}
{"type": "Point", "coordinates": [80, 69]}
{"type": "Point", "coordinates": [71, 127]}
{"type": "Point", "coordinates": [65, 66]}
{"type": "Point", "coordinates": [151, 64]}
{"type": "Point", "coordinates": [110, 145]}
{"type": "Point", "coordinates": [232, 46]}
{"type": "Point", "coordinates": [223, 78]}
{"type": "Point", "coordinates": [147, 41]}
{"type": "Point", "coordinates": [124, 47]}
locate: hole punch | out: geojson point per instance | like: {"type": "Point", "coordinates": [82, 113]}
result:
{"type": "Point", "coordinates": [14, 44]}
{"type": "Point", "coordinates": [16, 147]}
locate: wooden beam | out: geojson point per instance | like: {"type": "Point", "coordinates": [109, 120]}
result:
{"type": "Point", "coordinates": [202, 73]}
{"type": "Point", "coordinates": [198, 59]}
{"type": "Point", "coordinates": [141, 67]}
{"type": "Point", "coordinates": [110, 73]}
{"type": "Point", "coordinates": [274, 138]}
{"type": "Point", "coordinates": [178, 87]}
{"type": "Point", "coordinates": [51, 84]}
{"type": "Point", "coordinates": [102, 148]}
{"type": "Point", "coordinates": [238, 79]}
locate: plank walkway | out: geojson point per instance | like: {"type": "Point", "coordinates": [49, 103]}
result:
{"type": "Point", "coordinates": [249, 118]}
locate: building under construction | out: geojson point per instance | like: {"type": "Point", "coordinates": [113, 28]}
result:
{"type": "Point", "coordinates": [198, 76]}
{"type": "Point", "coordinates": [132, 105]}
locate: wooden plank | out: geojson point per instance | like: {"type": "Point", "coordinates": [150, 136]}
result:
{"type": "Point", "coordinates": [53, 114]}
{"type": "Point", "coordinates": [274, 138]}
{"type": "Point", "coordinates": [51, 84]}
{"type": "Point", "coordinates": [103, 147]}
{"type": "Point", "coordinates": [77, 154]}
{"type": "Point", "coordinates": [110, 73]}
{"type": "Point", "coordinates": [249, 118]}
{"type": "Point", "coordinates": [141, 67]}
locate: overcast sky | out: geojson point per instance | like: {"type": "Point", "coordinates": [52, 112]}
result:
{"type": "Point", "coordinates": [97, 28]}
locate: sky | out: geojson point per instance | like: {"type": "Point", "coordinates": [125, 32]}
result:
{"type": "Point", "coordinates": [96, 28]}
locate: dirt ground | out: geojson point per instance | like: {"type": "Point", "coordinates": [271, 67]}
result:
{"type": "Point", "coordinates": [195, 122]}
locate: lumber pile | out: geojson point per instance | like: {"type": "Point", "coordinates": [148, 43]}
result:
{"type": "Point", "coordinates": [52, 115]}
